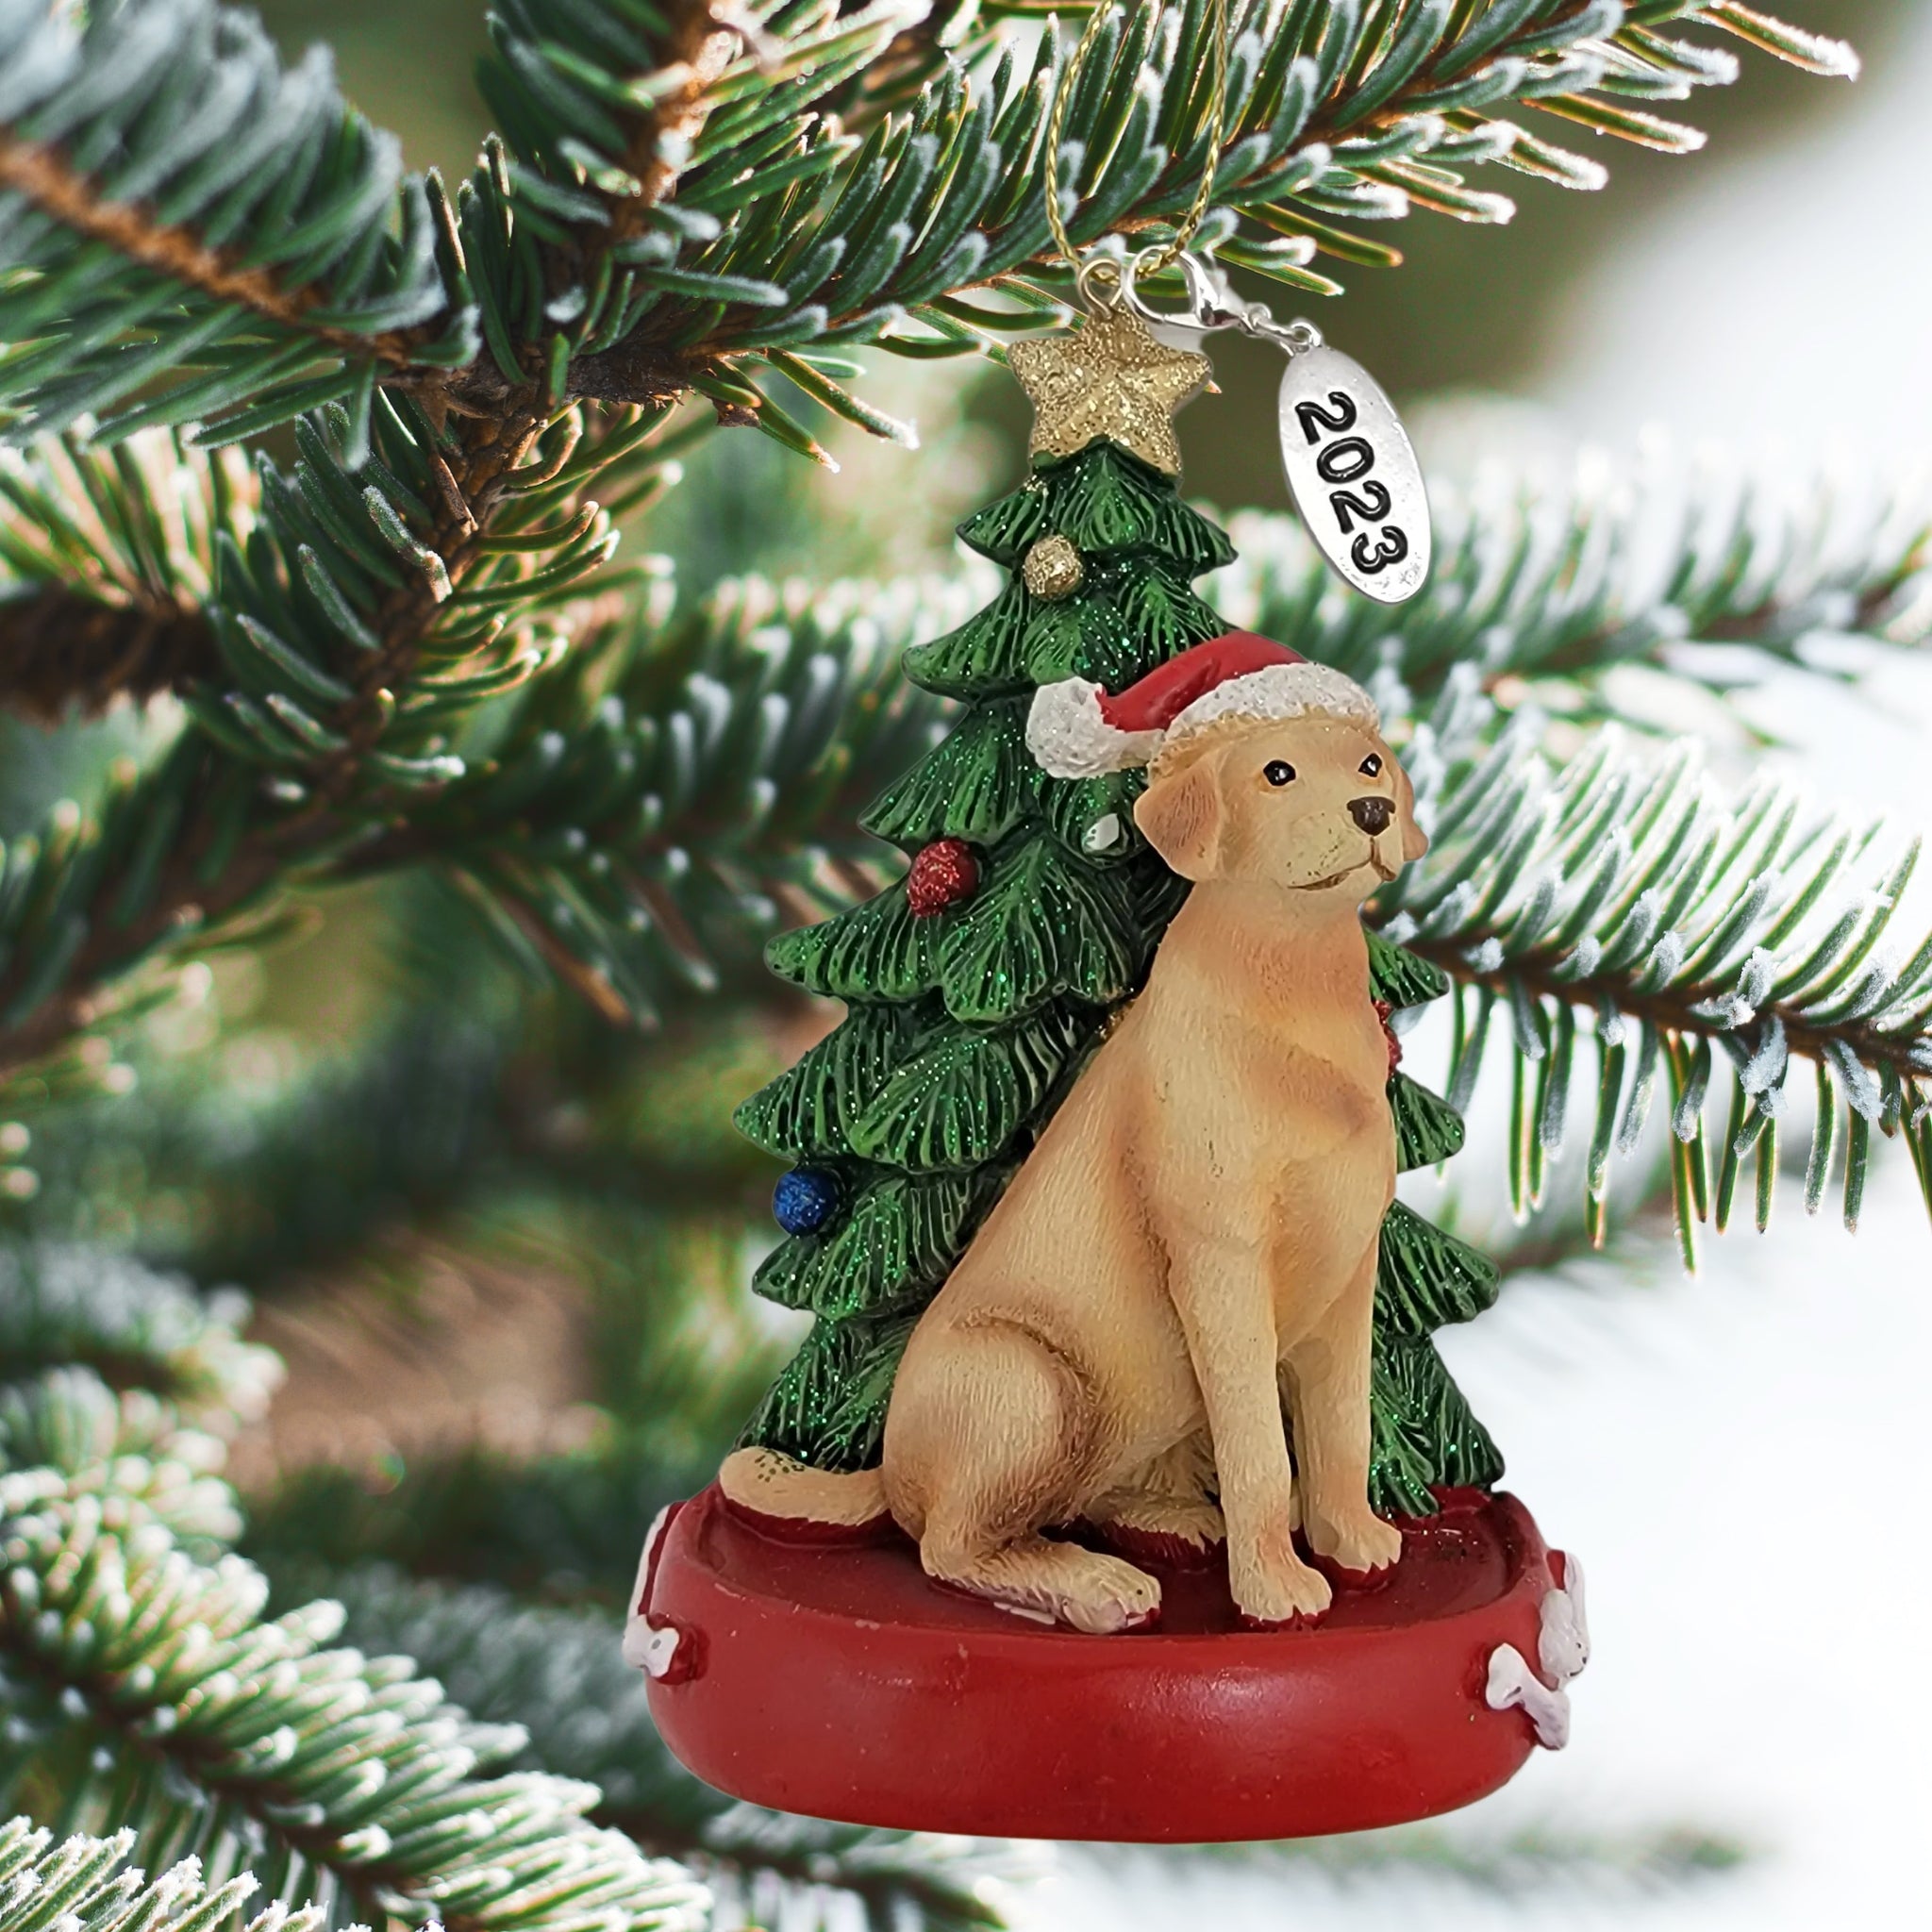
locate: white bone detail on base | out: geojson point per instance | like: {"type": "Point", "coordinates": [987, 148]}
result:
{"type": "Point", "coordinates": [1562, 1650]}
{"type": "Point", "coordinates": [648, 1646]}
{"type": "Point", "coordinates": [1563, 1646]}
{"type": "Point", "coordinates": [1513, 1682]}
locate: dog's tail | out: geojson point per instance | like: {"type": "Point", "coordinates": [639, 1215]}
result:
{"type": "Point", "coordinates": [763, 1483]}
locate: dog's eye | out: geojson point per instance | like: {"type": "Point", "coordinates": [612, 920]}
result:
{"type": "Point", "coordinates": [1278, 771]}
{"type": "Point", "coordinates": [1370, 765]}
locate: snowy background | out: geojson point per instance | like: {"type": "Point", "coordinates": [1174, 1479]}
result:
{"type": "Point", "coordinates": [1737, 1457]}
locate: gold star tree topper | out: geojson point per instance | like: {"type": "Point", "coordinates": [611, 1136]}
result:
{"type": "Point", "coordinates": [1109, 377]}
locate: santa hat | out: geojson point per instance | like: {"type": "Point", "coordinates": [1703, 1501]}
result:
{"type": "Point", "coordinates": [1077, 730]}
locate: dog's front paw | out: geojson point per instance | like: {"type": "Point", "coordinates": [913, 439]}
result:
{"type": "Point", "coordinates": [1273, 1585]}
{"type": "Point", "coordinates": [1358, 1543]}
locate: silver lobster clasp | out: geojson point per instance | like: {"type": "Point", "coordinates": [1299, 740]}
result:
{"type": "Point", "coordinates": [1212, 302]}
{"type": "Point", "coordinates": [1213, 305]}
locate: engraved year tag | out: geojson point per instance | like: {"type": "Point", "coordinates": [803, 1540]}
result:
{"type": "Point", "coordinates": [1354, 475]}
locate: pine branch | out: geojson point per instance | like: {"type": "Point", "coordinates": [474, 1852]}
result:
{"type": "Point", "coordinates": [64, 1305]}
{"type": "Point", "coordinates": [389, 588]}
{"type": "Point", "coordinates": [949, 32]}
{"type": "Point", "coordinates": [790, 716]}
{"type": "Point", "coordinates": [761, 228]}
{"type": "Point", "coordinates": [130, 1451]}
{"type": "Point", "coordinates": [194, 233]}
{"type": "Point", "coordinates": [685, 204]}
{"type": "Point", "coordinates": [82, 1884]}
{"type": "Point", "coordinates": [1630, 888]}
{"type": "Point", "coordinates": [1548, 593]}
{"type": "Point", "coordinates": [42, 177]}
{"type": "Point", "coordinates": [686, 787]}
{"type": "Point", "coordinates": [111, 560]}
{"type": "Point", "coordinates": [329, 1773]}
{"type": "Point", "coordinates": [1550, 588]}
{"type": "Point", "coordinates": [559, 1676]}
{"type": "Point", "coordinates": [1331, 109]}
{"type": "Point", "coordinates": [350, 644]}
{"type": "Point", "coordinates": [688, 769]}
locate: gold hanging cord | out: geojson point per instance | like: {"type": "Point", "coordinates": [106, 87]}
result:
{"type": "Point", "coordinates": [1217, 117]}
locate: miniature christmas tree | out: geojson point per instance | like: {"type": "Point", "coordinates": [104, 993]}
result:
{"type": "Point", "coordinates": [979, 982]}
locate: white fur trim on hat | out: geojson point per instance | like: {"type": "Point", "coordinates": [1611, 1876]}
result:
{"type": "Point", "coordinates": [1278, 690]}
{"type": "Point", "coordinates": [1070, 738]}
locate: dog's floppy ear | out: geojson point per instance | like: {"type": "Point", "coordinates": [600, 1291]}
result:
{"type": "Point", "coordinates": [1180, 817]}
{"type": "Point", "coordinates": [1415, 842]}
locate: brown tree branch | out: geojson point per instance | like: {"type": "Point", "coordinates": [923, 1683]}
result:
{"type": "Point", "coordinates": [62, 652]}
{"type": "Point", "coordinates": [495, 428]}
{"type": "Point", "coordinates": [1670, 1010]}
{"type": "Point", "coordinates": [42, 176]}
{"type": "Point", "coordinates": [702, 49]}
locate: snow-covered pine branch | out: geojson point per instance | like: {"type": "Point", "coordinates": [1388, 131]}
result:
{"type": "Point", "coordinates": [195, 232]}
{"type": "Point", "coordinates": [82, 1884]}
{"type": "Point", "coordinates": [1619, 897]}
{"type": "Point", "coordinates": [559, 1675]}
{"type": "Point", "coordinates": [159, 1690]}
{"type": "Point", "coordinates": [64, 1305]}
{"type": "Point", "coordinates": [1549, 583]}
{"type": "Point", "coordinates": [675, 198]}
{"type": "Point", "coordinates": [67, 1429]}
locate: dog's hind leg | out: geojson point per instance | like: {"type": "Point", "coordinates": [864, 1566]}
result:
{"type": "Point", "coordinates": [1059, 1583]}
{"type": "Point", "coordinates": [1164, 1511]}
{"type": "Point", "coordinates": [990, 1432]}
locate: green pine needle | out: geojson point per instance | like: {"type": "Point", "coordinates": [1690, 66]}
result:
{"type": "Point", "coordinates": [558, 1676]}
{"type": "Point", "coordinates": [327, 1773]}
{"type": "Point", "coordinates": [84, 1883]}
{"type": "Point", "coordinates": [1624, 888]}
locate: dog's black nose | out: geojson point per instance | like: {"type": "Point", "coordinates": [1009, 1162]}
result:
{"type": "Point", "coordinates": [1371, 814]}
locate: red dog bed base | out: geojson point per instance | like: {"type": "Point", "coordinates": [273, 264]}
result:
{"type": "Point", "coordinates": [836, 1680]}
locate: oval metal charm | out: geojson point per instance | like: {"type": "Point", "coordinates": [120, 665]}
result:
{"type": "Point", "coordinates": [1354, 476]}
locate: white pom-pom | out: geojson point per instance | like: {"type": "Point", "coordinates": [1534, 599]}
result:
{"type": "Point", "coordinates": [1070, 738]}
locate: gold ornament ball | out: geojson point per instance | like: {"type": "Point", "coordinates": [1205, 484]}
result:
{"type": "Point", "coordinates": [1052, 569]}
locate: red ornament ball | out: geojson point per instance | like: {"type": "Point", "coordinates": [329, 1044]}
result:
{"type": "Point", "coordinates": [1385, 1013]}
{"type": "Point", "coordinates": [943, 873]}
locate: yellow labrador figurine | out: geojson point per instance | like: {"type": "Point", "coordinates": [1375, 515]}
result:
{"type": "Point", "coordinates": [1195, 1235]}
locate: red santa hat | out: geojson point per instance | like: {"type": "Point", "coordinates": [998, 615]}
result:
{"type": "Point", "coordinates": [1077, 730]}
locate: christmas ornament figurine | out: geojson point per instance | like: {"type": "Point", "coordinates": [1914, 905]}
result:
{"type": "Point", "coordinates": [1118, 1490]}
{"type": "Point", "coordinates": [1198, 1225]}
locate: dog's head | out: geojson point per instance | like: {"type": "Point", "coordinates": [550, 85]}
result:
{"type": "Point", "coordinates": [1315, 804]}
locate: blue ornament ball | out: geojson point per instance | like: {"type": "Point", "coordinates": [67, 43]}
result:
{"type": "Point", "coordinates": [805, 1200]}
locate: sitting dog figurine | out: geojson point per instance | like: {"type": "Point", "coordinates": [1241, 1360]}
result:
{"type": "Point", "coordinates": [1193, 1238]}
